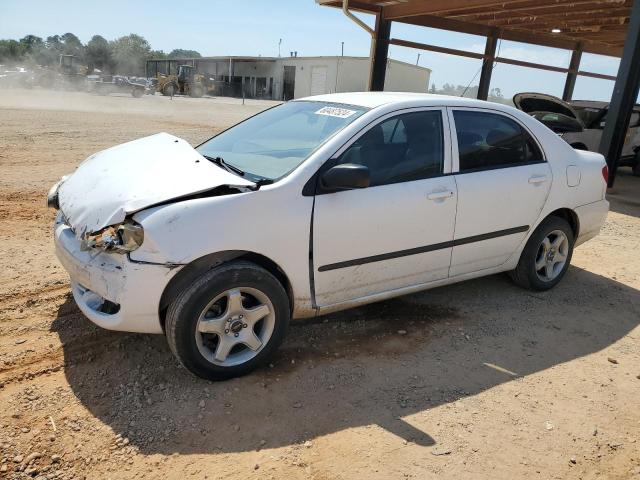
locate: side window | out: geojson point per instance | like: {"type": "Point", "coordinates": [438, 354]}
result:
{"type": "Point", "coordinates": [400, 149]}
{"type": "Point", "coordinates": [487, 140]}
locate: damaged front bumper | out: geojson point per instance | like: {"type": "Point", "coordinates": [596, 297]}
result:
{"type": "Point", "coordinates": [112, 291]}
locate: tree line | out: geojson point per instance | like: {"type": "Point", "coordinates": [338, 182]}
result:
{"type": "Point", "coordinates": [125, 55]}
{"type": "Point", "coordinates": [495, 94]}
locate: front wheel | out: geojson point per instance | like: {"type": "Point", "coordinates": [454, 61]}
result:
{"type": "Point", "coordinates": [546, 256]}
{"type": "Point", "coordinates": [169, 90]}
{"type": "Point", "coordinates": [196, 91]}
{"type": "Point", "coordinates": [229, 321]}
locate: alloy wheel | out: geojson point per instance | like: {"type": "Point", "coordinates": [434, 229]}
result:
{"type": "Point", "coordinates": [552, 256]}
{"type": "Point", "coordinates": [235, 326]}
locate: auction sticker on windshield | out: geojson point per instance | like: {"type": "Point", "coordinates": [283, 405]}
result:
{"type": "Point", "coordinates": [335, 112]}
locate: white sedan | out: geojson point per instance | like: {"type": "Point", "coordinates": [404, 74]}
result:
{"type": "Point", "coordinates": [315, 206]}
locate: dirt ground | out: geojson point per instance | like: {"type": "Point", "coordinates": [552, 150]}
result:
{"type": "Point", "coordinates": [480, 380]}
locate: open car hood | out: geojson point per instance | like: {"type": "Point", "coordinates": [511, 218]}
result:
{"type": "Point", "coordinates": [539, 102]}
{"type": "Point", "coordinates": [124, 179]}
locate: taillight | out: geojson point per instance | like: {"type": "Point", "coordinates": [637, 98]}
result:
{"type": "Point", "coordinates": [605, 174]}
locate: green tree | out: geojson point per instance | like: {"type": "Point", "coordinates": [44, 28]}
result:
{"type": "Point", "coordinates": [129, 54]}
{"type": "Point", "coordinates": [71, 45]}
{"type": "Point", "coordinates": [159, 54]}
{"type": "Point", "coordinates": [53, 48]}
{"type": "Point", "coordinates": [31, 42]}
{"type": "Point", "coordinates": [98, 54]}
{"type": "Point", "coordinates": [11, 51]}
{"type": "Point", "coordinates": [35, 50]}
{"type": "Point", "coordinates": [53, 42]}
{"type": "Point", "coordinates": [181, 53]}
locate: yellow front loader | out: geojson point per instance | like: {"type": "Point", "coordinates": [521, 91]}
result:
{"type": "Point", "coordinates": [187, 82]}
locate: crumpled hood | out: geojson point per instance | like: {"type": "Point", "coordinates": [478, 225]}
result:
{"type": "Point", "coordinates": [124, 179]}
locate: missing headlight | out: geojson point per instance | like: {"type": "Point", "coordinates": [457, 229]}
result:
{"type": "Point", "coordinates": [122, 238]}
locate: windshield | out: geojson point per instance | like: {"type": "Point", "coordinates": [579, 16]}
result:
{"type": "Point", "coordinates": [273, 143]}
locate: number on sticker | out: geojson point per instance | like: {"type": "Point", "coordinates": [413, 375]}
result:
{"type": "Point", "coordinates": [335, 112]}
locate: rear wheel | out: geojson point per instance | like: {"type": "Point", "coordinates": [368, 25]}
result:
{"type": "Point", "coordinates": [229, 321]}
{"type": "Point", "coordinates": [137, 92]}
{"type": "Point", "coordinates": [546, 256]}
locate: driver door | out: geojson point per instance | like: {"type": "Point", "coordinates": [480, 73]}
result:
{"type": "Point", "coordinates": [397, 232]}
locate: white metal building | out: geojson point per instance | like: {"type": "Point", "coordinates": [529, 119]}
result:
{"type": "Point", "coordinates": [284, 78]}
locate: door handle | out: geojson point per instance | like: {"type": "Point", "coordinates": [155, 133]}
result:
{"type": "Point", "coordinates": [440, 195]}
{"type": "Point", "coordinates": [538, 179]}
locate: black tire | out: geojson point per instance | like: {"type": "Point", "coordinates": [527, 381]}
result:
{"type": "Point", "coordinates": [169, 90]}
{"type": "Point", "coordinates": [137, 92]}
{"type": "Point", "coordinates": [525, 274]}
{"type": "Point", "coordinates": [196, 91]}
{"type": "Point", "coordinates": [183, 313]}
{"type": "Point", "coordinates": [635, 167]}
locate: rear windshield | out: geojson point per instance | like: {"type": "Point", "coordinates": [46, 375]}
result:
{"type": "Point", "coordinates": [274, 142]}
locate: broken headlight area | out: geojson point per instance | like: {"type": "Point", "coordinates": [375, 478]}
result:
{"type": "Point", "coordinates": [122, 238]}
{"type": "Point", "coordinates": [52, 196]}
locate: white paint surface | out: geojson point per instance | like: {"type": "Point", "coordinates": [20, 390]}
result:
{"type": "Point", "coordinates": [135, 175]}
{"type": "Point", "coordinates": [275, 221]}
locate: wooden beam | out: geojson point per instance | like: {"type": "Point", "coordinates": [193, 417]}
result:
{"type": "Point", "coordinates": [542, 11]}
{"type": "Point", "coordinates": [534, 6]}
{"type": "Point", "coordinates": [601, 76]}
{"type": "Point", "coordinates": [355, 5]}
{"type": "Point", "coordinates": [572, 74]}
{"type": "Point", "coordinates": [380, 55]}
{"type": "Point", "coordinates": [516, 35]}
{"type": "Point", "coordinates": [539, 66]}
{"type": "Point", "coordinates": [577, 20]}
{"type": "Point", "coordinates": [411, 9]}
{"type": "Point", "coordinates": [449, 7]}
{"type": "Point", "coordinates": [480, 56]}
{"type": "Point", "coordinates": [487, 65]}
{"type": "Point", "coordinates": [435, 48]}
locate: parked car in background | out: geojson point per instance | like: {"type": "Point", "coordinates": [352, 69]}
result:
{"type": "Point", "coordinates": [107, 84]}
{"type": "Point", "coordinates": [314, 206]}
{"type": "Point", "coordinates": [581, 122]}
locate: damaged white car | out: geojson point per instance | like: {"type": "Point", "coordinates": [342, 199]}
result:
{"type": "Point", "coordinates": [314, 206]}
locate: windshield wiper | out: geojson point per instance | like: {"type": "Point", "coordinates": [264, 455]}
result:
{"type": "Point", "coordinates": [227, 166]}
{"type": "Point", "coordinates": [262, 181]}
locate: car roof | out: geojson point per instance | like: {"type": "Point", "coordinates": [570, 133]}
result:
{"type": "Point", "coordinates": [377, 99]}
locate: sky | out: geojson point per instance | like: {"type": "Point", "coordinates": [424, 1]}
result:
{"type": "Point", "coordinates": [254, 27]}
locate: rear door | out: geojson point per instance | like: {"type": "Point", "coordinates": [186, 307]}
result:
{"type": "Point", "coordinates": [397, 232]}
{"type": "Point", "coordinates": [503, 181]}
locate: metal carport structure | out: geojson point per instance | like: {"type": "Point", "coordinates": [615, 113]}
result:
{"type": "Point", "coordinates": [605, 27]}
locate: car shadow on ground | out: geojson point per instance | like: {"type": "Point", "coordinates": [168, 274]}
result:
{"type": "Point", "coordinates": [373, 365]}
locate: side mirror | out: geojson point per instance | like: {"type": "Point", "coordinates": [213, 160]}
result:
{"type": "Point", "coordinates": [346, 177]}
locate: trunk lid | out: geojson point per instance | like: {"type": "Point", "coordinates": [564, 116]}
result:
{"type": "Point", "coordinates": [124, 179]}
{"type": "Point", "coordinates": [539, 102]}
